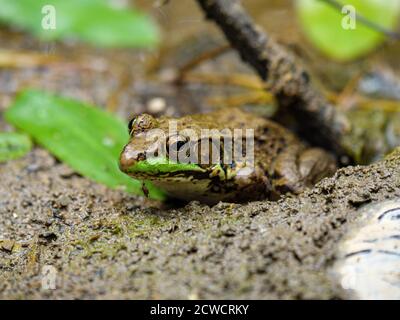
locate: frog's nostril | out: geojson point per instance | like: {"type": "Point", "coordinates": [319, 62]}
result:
{"type": "Point", "coordinates": [126, 162]}
{"type": "Point", "coordinates": [129, 158]}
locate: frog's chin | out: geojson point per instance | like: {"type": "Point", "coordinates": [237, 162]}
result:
{"type": "Point", "coordinates": [185, 189]}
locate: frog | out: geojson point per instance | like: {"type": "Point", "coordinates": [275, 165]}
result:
{"type": "Point", "coordinates": [271, 160]}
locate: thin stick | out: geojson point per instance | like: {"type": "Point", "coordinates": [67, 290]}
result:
{"type": "Point", "coordinates": [20, 59]}
{"type": "Point", "coordinates": [234, 79]}
{"type": "Point", "coordinates": [255, 97]}
{"type": "Point", "coordinates": [208, 55]}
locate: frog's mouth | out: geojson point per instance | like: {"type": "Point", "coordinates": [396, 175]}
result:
{"type": "Point", "coordinates": [160, 168]}
{"type": "Point", "coordinates": [185, 181]}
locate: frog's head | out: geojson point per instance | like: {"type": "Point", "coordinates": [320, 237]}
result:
{"type": "Point", "coordinates": [161, 155]}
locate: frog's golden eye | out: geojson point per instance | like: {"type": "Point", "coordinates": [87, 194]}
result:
{"type": "Point", "coordinates": [131, 123]}
{"type": "Point", "coordinates": [141, 123]}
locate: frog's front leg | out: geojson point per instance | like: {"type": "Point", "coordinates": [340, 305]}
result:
{"type": "Point", "coordinates": [297, 168]}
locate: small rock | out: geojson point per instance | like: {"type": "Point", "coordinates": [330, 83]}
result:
{"type": "Point", "coordinates": [64, 201]}
{"type": "Point", "coordinates": [357, 199]}
{"type": "Point", "coordinates": [228, 231]}
{"type": "Point", "coordinates": [34, 167]}
{"type": "Point", "coordinates": [66, 172]}
{"type": "Point", "coordinates": [156, 105]}
{"type": "Point", "coordinates": [7, 245]}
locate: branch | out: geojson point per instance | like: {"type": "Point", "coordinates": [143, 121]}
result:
{"type": "Point", "coordinates": [285, 78]}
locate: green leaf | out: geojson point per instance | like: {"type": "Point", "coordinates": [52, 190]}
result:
{"type": "Point", "coordinates": [322, 24]}
{"type": "Point", "coordinates": [13, 145]}
{"type": "Point", "coordinates": [93, 21]}
{"type": "Point", "coordinates": [88, 139]}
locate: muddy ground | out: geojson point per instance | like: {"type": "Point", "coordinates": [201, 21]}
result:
{"type": "Point", "coordinates": [108, 244]}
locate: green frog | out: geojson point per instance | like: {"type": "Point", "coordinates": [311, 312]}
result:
{"type": "Point", "coordinates": [225, 155]}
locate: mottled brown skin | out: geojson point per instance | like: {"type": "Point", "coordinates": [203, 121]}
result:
{"type": "Point", "coordinates": [282, 162]}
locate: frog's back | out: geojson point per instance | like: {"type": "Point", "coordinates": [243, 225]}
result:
{"type": "Point", "coordinates": [232, 118]}
{"type": "Point", "coordinates": [270, 138]}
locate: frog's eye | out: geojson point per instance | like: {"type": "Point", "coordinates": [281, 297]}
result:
{"type": "Point", "coordinates": [141, 123]}
{"type": "Point", "coordinates": [131, 123]}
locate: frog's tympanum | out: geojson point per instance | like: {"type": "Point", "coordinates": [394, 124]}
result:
{"type": "Point", "coordinates": [226, 155]}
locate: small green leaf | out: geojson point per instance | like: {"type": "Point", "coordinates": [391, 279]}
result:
{"type": "Point", "coordinates": [88, 139]}
{"type": "Point", "coordinates": [13, 145]}
{"type": "Point", "coordinates": [322, 24]}
{"type": "Point", "coordinates": [93, 21]}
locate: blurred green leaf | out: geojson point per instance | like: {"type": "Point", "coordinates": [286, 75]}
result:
{"type": "Point", "coordinates": [86, 138]}
{"type": "Point", "coordinates": [92, 21]}
{"type": "Point", "coordinates": [13, 145]}
{"type": "Point", "coordinates": [322, 24]}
